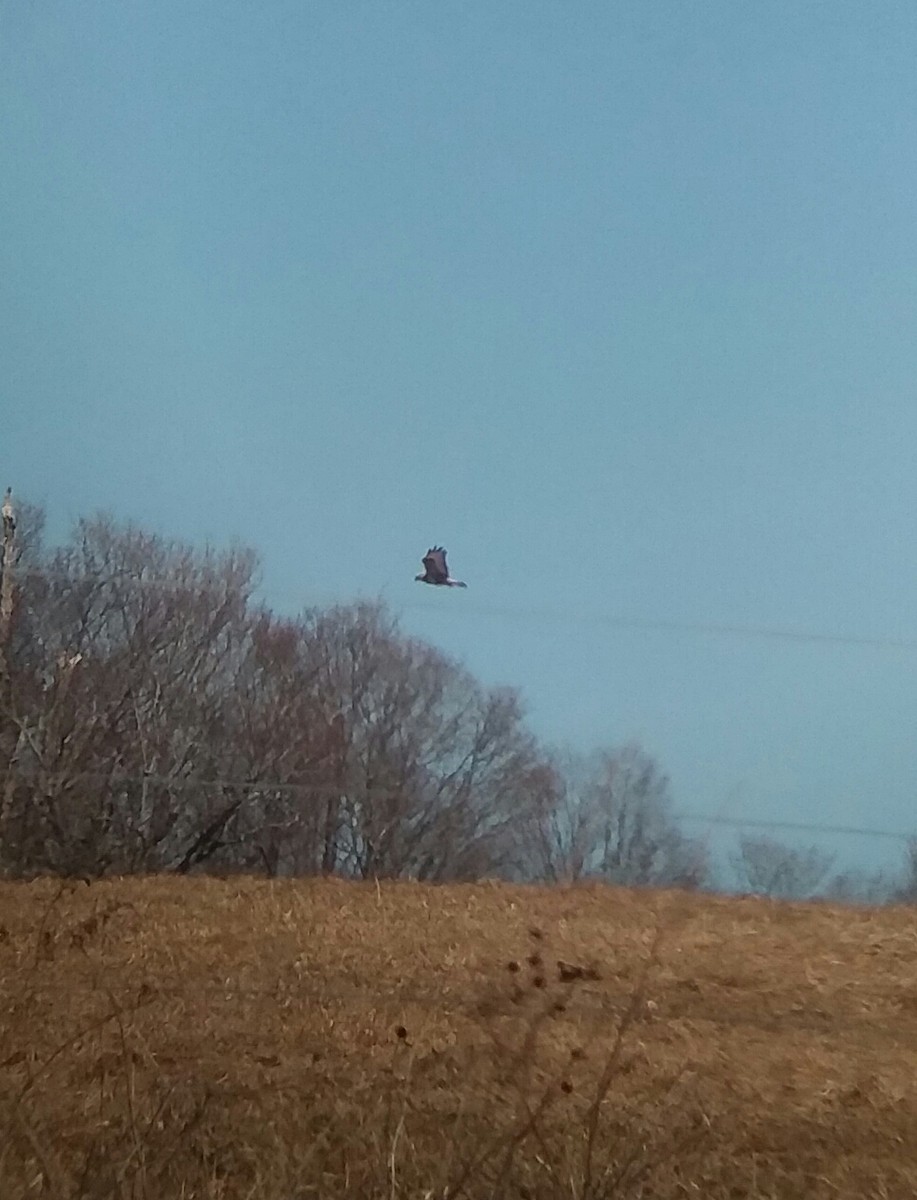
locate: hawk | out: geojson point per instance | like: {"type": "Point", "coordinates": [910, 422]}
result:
{"type": "Point", "coordinates": [436, 571]}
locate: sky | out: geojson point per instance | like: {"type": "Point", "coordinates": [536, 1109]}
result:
{"type": "Point", "coordinates": [617, 302]}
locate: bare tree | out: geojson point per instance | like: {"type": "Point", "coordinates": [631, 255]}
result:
{"type": "Point", "coordinates": [771, 868]}
{"type": "Point", "coordinates": [127, 672]}
{"type": "Point", "coordinates": [429, 769]}
{"type": "Point", "coordinates": [289, 740]}
{"type": "Point", "coordinates": [904, 890]}
{"type": "Point", "coordinates": [858, 887]}
{"type": "Point", "coordinates": [610, 816]}
{"type": "Point", "coordinates": [566, 825]}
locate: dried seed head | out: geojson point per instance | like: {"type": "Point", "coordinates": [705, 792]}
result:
{"type": "Point", "coordinates": [512, 967]}
{"type": "Point", "coordinates": [401, 1033]}
{"type": "Point", "coordinates": [566, 1087]}
{"type": "Point", "coordinates": [568, 972]}
{"type": "Point", "coordinates": [538, 981]}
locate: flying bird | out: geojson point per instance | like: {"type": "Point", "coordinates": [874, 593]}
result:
{"type": "Point", "coordinates": [436, 571]}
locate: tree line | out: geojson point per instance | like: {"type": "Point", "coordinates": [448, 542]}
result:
{"type": "Point", "coordinates": [155, 716]}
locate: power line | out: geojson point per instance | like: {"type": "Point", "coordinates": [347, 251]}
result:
{"type": "Point", "coordinates": [610, 620]}
{"type": "Point", "coordinates": [801, 826]}
{"type": "Point", "coordinates": [332, 790]}
{"type": "Point", "coordinates": [715, 629]}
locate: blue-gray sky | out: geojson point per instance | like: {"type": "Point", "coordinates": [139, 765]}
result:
{"type": "Point", "coordinates": [617, 301]}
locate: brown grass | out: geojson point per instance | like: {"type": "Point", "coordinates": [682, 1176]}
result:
{"type": "Point", "coordinates": [250, 1039]}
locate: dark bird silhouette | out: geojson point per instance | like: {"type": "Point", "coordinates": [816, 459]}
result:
{"type": "Point", "coordinates": [436, 571]}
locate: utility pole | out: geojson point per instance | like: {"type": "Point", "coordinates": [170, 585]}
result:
{"type": "Point", "coordinates": [7, 557]}
{"type": "Point", "coordinates": [7, 561]}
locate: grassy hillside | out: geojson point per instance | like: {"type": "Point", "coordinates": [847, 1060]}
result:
{"type": "Point", "coordinates": [242, 1038]}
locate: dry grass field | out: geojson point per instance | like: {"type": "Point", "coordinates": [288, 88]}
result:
{"type": "Point", "coordinates": [240, 1038]}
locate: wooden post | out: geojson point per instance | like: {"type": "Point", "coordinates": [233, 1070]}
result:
{"type": "Point", "coordinates": [7, 562]}
{"type": "Point", "coordinates": [7, 559]}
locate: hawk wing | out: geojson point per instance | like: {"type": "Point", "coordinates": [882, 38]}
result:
{"type": "Point", "coordinates": [435, 564]}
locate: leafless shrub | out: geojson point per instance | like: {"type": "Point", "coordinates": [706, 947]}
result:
{"type": "Point", "coordinates": [767, 867]}
{"type": "Point", "coordinates": [609, 815]}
